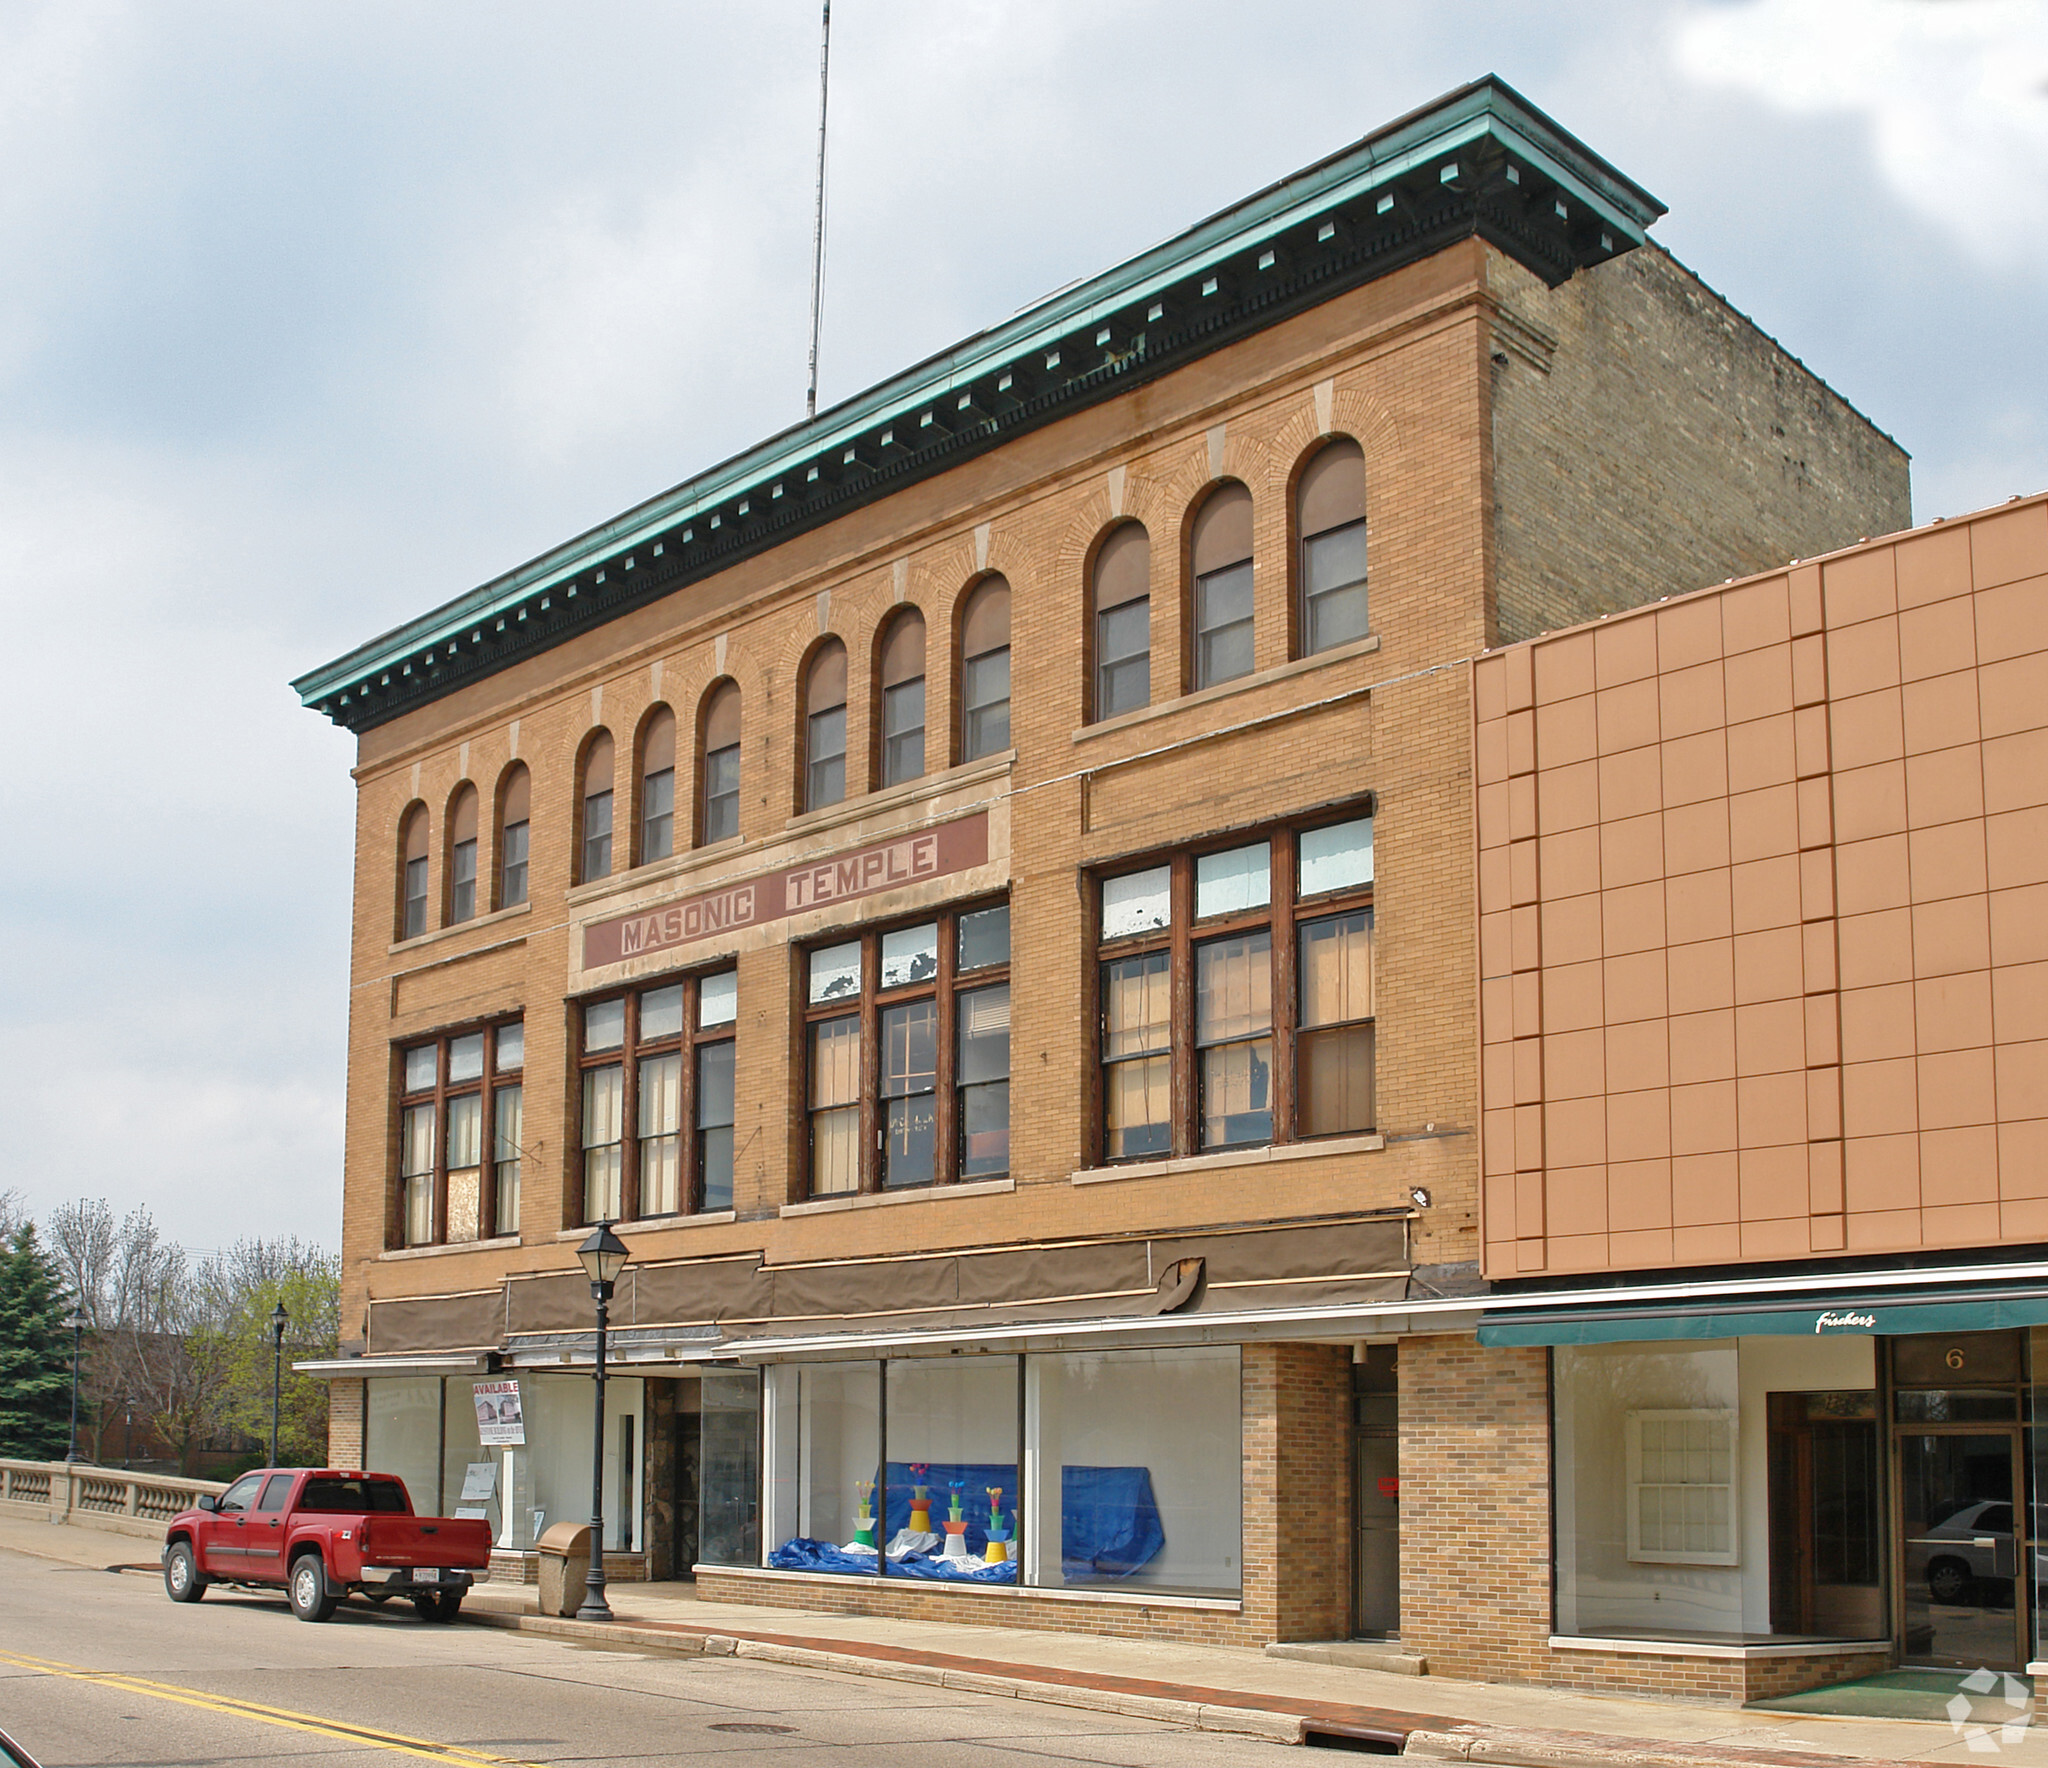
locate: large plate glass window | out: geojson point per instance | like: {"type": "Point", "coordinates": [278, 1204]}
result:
{"type": "Point", "coordinates": [459, 1123]}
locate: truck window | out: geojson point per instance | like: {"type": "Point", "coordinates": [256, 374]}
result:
{"type": "Point", "coordinates": [382, 1497]}
{"type": "Point", "coordinates": [242, 1493]}
{"type": "Point", "coordinates": [276, 1489]}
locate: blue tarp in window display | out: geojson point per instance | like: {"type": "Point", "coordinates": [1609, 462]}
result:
{"type": "Point", "coordinates": [800, 1555]}
{"type": "Point", "coordinates": [975, 1479]}
{"type": "Point", "coordinates": [1109, 1522]}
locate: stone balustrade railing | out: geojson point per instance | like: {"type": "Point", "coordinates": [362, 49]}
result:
{"type": "Point", "coordinates": [99, 1497]}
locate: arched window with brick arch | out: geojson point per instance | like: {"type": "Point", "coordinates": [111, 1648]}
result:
{"type": "Point", "coordinates": [655, 837]}
{"type": "Point", "coordinates": [1220, 606]}
{"type": "Point", "coordinates": [1121, 586]}
{"type": "Point", "coordinates": [515, 812]}
{"type": "Point", "coordinates": [985, 670]}
{"type": "Point", "coordinates": [718, 793]}
{"type": "Point", "coordinates": [900, 677]}
{"type": "Point", "coordinates": [1329, 517]}
{"type": "Point", "coordinates": [412, 872]}
{"type": "Point", "coordinates": [594, 810]}
{"type": "Point", "coordinates": [462, 848]}
{"type": "Point", "coordinates": [824, 732]}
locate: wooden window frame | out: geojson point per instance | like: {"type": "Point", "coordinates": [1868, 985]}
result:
{"type": "Point", "coordinates": [1282, 914]}
{"type": "Point", "coordinates": [485, 1087]}
{"type": "Point", "coordinates": [628, 1056]}
{"type": "Point", "coordinates": [945, 987]}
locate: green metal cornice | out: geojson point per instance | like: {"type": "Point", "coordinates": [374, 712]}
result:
{"type": "Point", "coordinates": [1480, 161]}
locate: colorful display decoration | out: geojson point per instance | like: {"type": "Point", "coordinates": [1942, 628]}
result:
{"type": "Point", "coordinates": [920, 1499]}
{"type": "Point", "coordinates": [998, 1537]}
{"type": "Point", "coordinates": [956, 1523]}
{"type": "Point", "coordinates": [864, 1516]}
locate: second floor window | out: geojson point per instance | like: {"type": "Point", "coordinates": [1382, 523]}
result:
{"type": "Point", "coordinates": [412, 896]}
{"type": "Point", "coordinates": [902, 680]}
{"type": "Point", "coordinates": [658, 1100]}
{"type": "Point", "coordinates": [907, 1037]}
{"type": "Point", "coordinates": [658, 787]}
{"type": "Point", "coordinates": [513, 827]}
{"type": "Point", "coordinates": [985, 671]}
{"type": "Point", "coordinates": [721, 793]}
{"type": "Point", "coordinates": [1237, 995]}
{"type": "Point", "coordinates": [596, 810]}
{"type": "Point", "coordinates": [825, 728]}
{"type": "Point", "coordinates": [1223, 588]}
{"type": "Point", "coordinates": [1330, 508]}
{"type": "Point", "coordinates": [462, 858]}
{"type": "Point", "coordinates": [460, 1120]}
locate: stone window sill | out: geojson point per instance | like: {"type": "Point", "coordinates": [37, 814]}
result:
{"type": "Point", "coordinates": [1244, 684]}
{"type": "Point", "coordinates": [496, 1244]}
{"type": "Point", "coordinates": [420, 941]}
{"type": "Point", "coordinates": [858, 806]}
{"type": "Point", "coordinates": [1229, 1157]}
{"type": "Point", "coordinates": [710, 1218]}
{"type": "Point", "coordinates": [877, 1199]}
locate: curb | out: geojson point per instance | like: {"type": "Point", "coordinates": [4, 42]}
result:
{"type": "Point", "coordinates": [1245, 1721]}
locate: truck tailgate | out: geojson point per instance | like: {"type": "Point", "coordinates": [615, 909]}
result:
{"type": "Point", "coordinates": [425, 1540]}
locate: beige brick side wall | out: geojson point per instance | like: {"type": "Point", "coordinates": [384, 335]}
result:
{"type": "Point", "coordinates": [345, 1405]}
{"type": "Point", "coordinates": [1649, 440]}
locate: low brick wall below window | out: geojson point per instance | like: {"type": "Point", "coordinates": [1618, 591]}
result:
{"type": "Point", "coordinates": [1731, 1681]}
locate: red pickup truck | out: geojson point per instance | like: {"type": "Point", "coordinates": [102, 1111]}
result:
{"type": "Point", "coordinates": [320, 1535]}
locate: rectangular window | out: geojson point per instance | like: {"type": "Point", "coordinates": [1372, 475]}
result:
{"type": "Point", "coordinates": [658, 815]}
{"type": "Point", "coordinates": [1123, 658]}
{"type": "Point", "coordinates": [722, 794]}
{"type": "Point", "coordinates": [462, 882]}
{"type": "Point", "coordinates": [903, 732]}
{"type": "Point", "coordinates": [985, 704]}
{"type": "Point", "coordinates": [1223, 625]}
{"type": "Point", "coordinates": [1269, 945]}
{"type": "Point", "coordinates": [659, 1059]}
{"type": "Point", "coordinates": [597, 837]}
{"type": "Point", "coordinates": [909, 1054]}
{"type": "Point", "coordinates": [512, 865]}
{"type": "Point", "coordinates": [415, 898]}
{"type": "Point", "coordinates": [458, 1136]}
{"type": "Point", "coordinates": [826, 752]}
{"type": "Point", "coordinates": [1333, 586]}
{"type": "Point", "coordinates": [1681, 1488]}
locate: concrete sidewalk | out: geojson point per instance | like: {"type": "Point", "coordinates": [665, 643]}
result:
{"type": "Point", "coordinates": [1424, 1718]}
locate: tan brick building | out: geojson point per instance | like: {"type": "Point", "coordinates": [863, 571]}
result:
{"type": "Point", "coordinates": [982, 890]}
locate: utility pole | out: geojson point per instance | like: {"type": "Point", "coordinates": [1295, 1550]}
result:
{"type": "Point", "coordinates": [818, 229]}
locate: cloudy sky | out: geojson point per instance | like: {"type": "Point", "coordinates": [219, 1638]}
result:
{"type": "Point", "coordinates": [314, 316]}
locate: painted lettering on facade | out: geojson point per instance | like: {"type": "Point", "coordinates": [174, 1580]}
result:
{"type": "Point", "coordinates": [909, 859]}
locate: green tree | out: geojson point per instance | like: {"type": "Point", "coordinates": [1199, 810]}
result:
{"type": "Point", "coordinates": [35, 1352]}
{"type": "Point", "coordinates": [244, 1284]}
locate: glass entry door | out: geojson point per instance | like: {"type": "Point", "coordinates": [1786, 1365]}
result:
{"type": "Point", "coordinates": [1376, 1494]}
{"type": "Point", "coordinates": [1962, 1542]}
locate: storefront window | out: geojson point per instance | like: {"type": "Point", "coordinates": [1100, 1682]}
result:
{"type": "Point", "coordinates": [402, 1434]}
{"type": "Point", "coordinates": [729, 1490]}
{"type": "Point", "coordinates": [953, 1438]}
{"type": "Point", "coordinates": [824, 1452]}
{"type": "Point", "coordinates": [1135, 1472]}
{"type": "Point", "coordinates": [1729, 1489]}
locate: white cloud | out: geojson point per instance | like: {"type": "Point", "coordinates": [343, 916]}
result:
{"type": "Point", "coordinates": [1953, 94]}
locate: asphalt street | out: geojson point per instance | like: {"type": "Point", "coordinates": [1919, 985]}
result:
{"type": "Point", "coordinates": [99, 1667]}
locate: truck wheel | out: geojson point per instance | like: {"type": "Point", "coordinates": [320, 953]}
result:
{"type": "Point", "coordinates": [442, 1605]}
{"type": "Point", "coordinates": [181, 1574]}
{"type": "Point", "coordinates": [308, 1588]}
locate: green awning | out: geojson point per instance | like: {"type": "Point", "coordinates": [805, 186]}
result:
{"type": "Point", "coordinates": [1884, 1314]}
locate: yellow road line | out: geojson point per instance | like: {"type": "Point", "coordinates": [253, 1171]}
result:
{"type": "Point", "coordinates": [283, 1717]}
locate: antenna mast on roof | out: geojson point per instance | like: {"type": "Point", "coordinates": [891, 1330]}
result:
{"type": "Point", "coordinates": [818, 231]}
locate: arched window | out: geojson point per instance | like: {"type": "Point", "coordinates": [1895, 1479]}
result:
{"type": "Point", "coordinates": [1330, 516]}
{"type": "Point", "coordinates": [596, 842]}
{"type": "Point", "coordinates": [658, 786]}
{"type": "Point", "coordinates": [1223, 588]}
{"type": "Point", "coordinates": [462, 858]}
{"type": "Point", "coordinates": [515, 798]}
{"type": "Point", "coordinates": [903, 698]}
{"type": "Point", "coordinates": [825, 727]}
{"type": "Point", "coordinates": [985, 672]}
{"type": "Point", "coordinates": [721, 788]}
{"type": "Point", "coordinates": [1123, 621]}
{"type": "Point", "coordinates": [412, 889]}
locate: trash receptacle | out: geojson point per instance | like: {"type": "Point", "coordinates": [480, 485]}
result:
{"type": "Point", "coordinates": [564, 1567]}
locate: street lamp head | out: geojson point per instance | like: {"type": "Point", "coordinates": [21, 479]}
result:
{"type": "Point", "coordinates": [74, 1321]}
{"type": "Point", "coordinates": [278, 1318]}
{"type": "Point", "coordinates": [604, 1256]}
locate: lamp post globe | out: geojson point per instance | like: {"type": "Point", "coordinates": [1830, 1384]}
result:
{"type": "Point", "coordinates": [603, 1257]}
{"type": "Point", "coordinates": [279, 1318]}
{"type": "Point", "coordinates": [75, 1324]}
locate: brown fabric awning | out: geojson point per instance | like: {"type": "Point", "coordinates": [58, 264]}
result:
{"type": "Point", "coordinates": [474, 1320]}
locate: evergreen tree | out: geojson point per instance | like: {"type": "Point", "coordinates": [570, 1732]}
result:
{"type": "Point", "coordinates": [35, 1352]}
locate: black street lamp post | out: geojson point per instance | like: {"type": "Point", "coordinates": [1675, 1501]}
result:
{"type": "Point", "coordinates": [278, 1319]}
{"type": "Point", "coordinates": [604, 1256]}
{"type": "Point", "coordinates": [77, 1324]}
